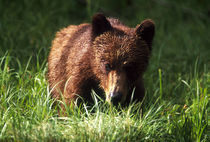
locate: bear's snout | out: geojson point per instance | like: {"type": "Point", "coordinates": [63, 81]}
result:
{"type": "Point", "coordinates": [116, 87]}
{"type": "Point", "coordinates": [116, 97]}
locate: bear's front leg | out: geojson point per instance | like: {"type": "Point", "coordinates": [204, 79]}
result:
{"type": "Point", "coordinates": [139, 92]}
{"type": "Point", "coordinates": [77, 90]}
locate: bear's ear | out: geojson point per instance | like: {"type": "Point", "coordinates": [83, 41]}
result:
{"type": "Point", "coordinates": [146, 31]}
{"type": "Point", "coordinates": [100, 24]}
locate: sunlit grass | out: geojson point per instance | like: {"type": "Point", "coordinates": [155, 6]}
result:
{"type": "Point", "coordinates": [27, 113]}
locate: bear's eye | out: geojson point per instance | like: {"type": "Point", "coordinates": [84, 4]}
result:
{"type": "Point", "coordinates": [108, 67]}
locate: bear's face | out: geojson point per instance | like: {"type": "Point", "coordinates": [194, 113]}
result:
{"type": "Point", "coordinates": [119, 59]}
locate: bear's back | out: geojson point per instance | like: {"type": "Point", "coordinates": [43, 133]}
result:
{"type": "Point", "coordinates": [69, 44]}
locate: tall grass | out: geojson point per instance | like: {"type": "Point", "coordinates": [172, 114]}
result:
{"type": "Point", "coordinates": [176, 105]}
{"type": "Point", "coordinates": [27, 113]}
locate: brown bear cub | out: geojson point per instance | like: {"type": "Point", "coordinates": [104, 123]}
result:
{"type": "Point", "coordinates": [105, 54]}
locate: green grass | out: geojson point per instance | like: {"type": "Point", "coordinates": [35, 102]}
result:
{"type": "Point", "coordinates": [176, 105]}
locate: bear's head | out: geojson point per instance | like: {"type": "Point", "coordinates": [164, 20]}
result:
{"type": "Point", "coordinates": [120, 57]}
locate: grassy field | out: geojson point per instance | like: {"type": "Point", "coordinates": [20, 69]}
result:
{"type": "Point", "coordinates": [176, 105]}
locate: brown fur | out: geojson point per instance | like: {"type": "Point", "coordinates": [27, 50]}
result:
{"type": "Point", "coordinates": [105, 54]}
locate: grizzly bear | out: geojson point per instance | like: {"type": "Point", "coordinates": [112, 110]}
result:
{"type": "Point", "coordinates": [104, 55]}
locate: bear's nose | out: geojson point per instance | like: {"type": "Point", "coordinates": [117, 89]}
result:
{"type": "Point", "coordinates": [116, 98]}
